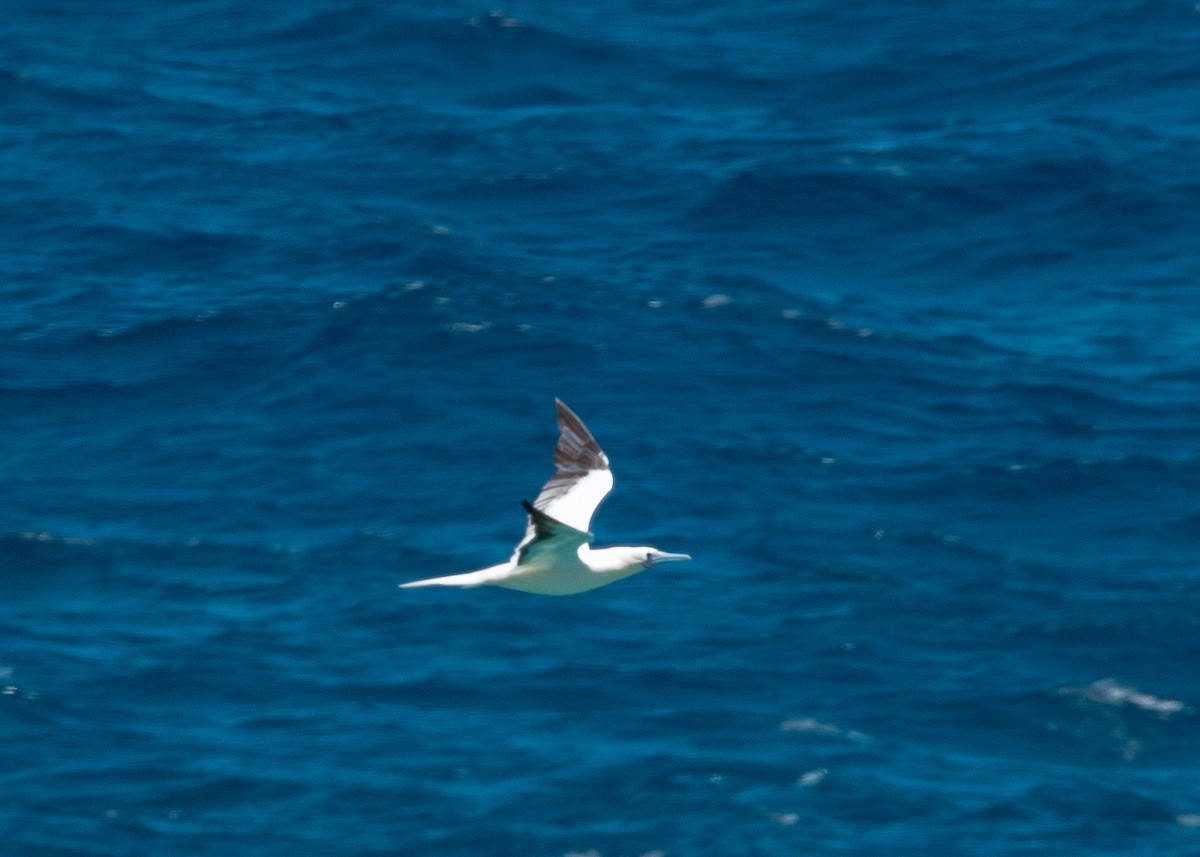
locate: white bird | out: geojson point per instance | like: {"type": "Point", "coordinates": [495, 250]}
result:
{"type": "Point", "coordinates": [556, 557]}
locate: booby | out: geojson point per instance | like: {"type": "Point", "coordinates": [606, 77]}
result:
{"type": "Point", "coordinates": [556, 556]}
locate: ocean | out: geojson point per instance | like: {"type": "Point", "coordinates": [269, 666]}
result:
{"type": "Point", "coordinates": [886, 313]}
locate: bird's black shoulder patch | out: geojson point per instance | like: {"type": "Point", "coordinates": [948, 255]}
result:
{"type": "Point", "coordinates": [545, 527]}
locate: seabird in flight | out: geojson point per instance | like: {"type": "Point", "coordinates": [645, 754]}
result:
{"type": "Point", "coordinates": [556, 556]}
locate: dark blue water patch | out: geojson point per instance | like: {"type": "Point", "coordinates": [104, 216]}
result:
{"type": "Point", "coordinates": [984, 202]}
{"type": "Point", "coordinates": [1186, 527]}
{"type": "Point", "coordinates": [531, 97]}
{"type": "Point", "coordinates": [427, 54]}
{"type": "Point", "coordinates": [751, 200]}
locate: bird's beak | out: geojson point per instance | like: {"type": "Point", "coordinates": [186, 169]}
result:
{"type": "Point", "coordinates": [663, 556]}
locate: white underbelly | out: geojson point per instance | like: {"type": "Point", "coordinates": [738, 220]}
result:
{"type": "Point", "coordinates": [559, 581]}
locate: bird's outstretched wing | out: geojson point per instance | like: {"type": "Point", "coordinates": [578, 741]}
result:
{"type": "Point", "coordinates": [581, 479]}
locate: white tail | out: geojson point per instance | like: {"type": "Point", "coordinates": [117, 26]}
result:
{"type": "Point", "coordinates": [470, 578]}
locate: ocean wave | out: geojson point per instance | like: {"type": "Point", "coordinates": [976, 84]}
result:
{"type": "Point", "coordinates": [1114, 719]}
{"type": "Point", "coordinates": [510, 45]}
{"type": "Point", "coordinates": [1101, 196]}
{"type": "Point", "coordinates": [1110, 692]}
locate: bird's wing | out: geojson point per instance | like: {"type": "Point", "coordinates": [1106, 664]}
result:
{"type": "Point", "coordinates": [581, 479]}
{"type": "Point", "coordinates": [551, 541]}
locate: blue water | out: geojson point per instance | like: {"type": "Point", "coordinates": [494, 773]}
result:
{"type": "Point", "coordinates": [887, 313]}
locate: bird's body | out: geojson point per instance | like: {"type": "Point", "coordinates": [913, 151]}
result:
{"type": "Point", "coordinates": [556, 557]}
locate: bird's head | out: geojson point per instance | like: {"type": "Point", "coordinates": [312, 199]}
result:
{"type": "Point", "coordinates": [650, 557]}
{"type": "Point", "coordinates": [622, 562]}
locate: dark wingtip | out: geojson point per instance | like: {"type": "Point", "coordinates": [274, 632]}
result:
{"type": "Point", "coordinates": [577, 451]}
{"type": "Point", "coordinates": [527, 506]}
